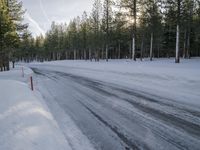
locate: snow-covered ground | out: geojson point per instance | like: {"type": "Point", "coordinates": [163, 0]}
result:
{"type": "Point", "coordinates": [25, 120]}
{"type": "Point", "coordinates": [115, 105]}
{"type": "Point", "coordinates": [161, 76]}
{"type": "Point", "coordinates": [123, 104]}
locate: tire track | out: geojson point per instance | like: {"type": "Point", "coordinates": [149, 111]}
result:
{"type": "Point", "coordinates": [110, 90]}
{"type": "Point", "coordinates": [189, 127]}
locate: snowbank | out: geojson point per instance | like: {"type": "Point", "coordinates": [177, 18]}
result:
{"type": "Point", "coordinates": [25, 121]}
{"type": "Point", "coordinates": [17, 73]}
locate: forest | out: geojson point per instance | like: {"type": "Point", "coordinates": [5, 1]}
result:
{"type": "Point", "coordinates": [114, 29]}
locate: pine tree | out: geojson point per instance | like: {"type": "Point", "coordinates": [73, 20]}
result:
{"type": "Point", "coordinates": [95, 24]}
{"type": "Point", "coordinates": [119, 34]}
{"type": "Point", "coordinates": [131, 6]}
{"type": "Point", "coordinates": [188, 13]}
{"type": "Point", "coordinates": [148, 25]}
{"type": "Point", "coordinates": [7, 35]}
{"type": "Point", "coordinates": [106, 23]}
{"type": "Point", "coordinates": [152, 19]}
{"type": "Point", "coordinates": [16, 13]}
{"type": "Point", "coordinates": [25, 46]}
{"type": "Point", "coordinates": [84, 34]}
{"type": "Point", "coordinates": [72, 34]}
{"type": "Point", "coordinates": [169, 35]}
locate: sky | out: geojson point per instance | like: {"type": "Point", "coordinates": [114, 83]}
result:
{"type": "Point", "coordinates": [40, 13]}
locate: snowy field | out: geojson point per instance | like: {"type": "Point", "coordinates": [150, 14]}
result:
{"type": "Point", "coordinates": [124, 104]}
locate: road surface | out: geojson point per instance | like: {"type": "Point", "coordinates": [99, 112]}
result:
{"type": "Point", "coordinates": [115, 117]}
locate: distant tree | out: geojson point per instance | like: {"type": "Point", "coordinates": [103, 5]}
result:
{"type": "Point", "coordinates": [131, 6]}
{"type": "Point", "coordinates": [84, 34]}
{"type": "Point", "coordinates": [152, 18]}
{"type": "Point", "coordinates": [123, 29]}
{"type": "Point", "coordinates": [106, 23]}
{"type": "Point", "coordinates": [120, 33]}
{"type": "Point", "coordinates": [72, 33]}
{"type": "Point", "coordinates": [95, 26]}
{"type": "Point", "coordinates": [25, 46]}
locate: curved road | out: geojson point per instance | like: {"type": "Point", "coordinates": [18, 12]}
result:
{"type": "Point", "coordinates": [114, 117]}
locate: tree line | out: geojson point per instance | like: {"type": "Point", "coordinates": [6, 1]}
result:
{"type": "Point", "coordinates": [11, 31]}
{"type": "Point", "coordinates": [117, 29]}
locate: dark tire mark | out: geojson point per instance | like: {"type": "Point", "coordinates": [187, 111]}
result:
{"type": "Point", "coordinates": [167, 118]}
{"type": "Point", "coordinates": [131, 144]}
{"type": "Point", "coordinates": [187, 126]}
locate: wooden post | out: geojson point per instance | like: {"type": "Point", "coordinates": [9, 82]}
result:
{"type": "Point", "coordinates": [31, 78]}
{"type": "Point", "coordinates": [23, 72]}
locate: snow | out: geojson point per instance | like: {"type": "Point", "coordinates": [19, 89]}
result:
{"type": "Point", "coordinates": [122, 104]}
{"type": "Point", "coordinates": [26, 123]}
{"type": "Point", "coordinates": [161, 76]}
{"type": "Point", "coordinates": [115, 105]}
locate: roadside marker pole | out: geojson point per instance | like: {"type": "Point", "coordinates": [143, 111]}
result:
{"type": "Point", "coordinates": [31, 78]}
{"type": "Point", "coordinates": [23, 72]}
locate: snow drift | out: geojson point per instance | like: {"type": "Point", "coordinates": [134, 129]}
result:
{"type": "Point", "coordinates": [25, 121]}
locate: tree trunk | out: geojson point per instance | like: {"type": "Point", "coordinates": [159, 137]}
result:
{"type": "Point", "coordinates": [133, 48]}
{"type": "Point", "coordinates": [119, 51]}
{"type": "Point", "coordinates": [90, 55]}
{"type": "Point", "coordinates": [53, 56]}
{"type": "Point", "coordinates": [107, 52]}
{"type": "Point", "coordinates": [8, 66]}
{"type": "Point", "coordinates": [134, 30]}
{"type": "Point", "coordinates": [177, 60]}
{"type": "Point", "coordinates": [13, 64]}
{"type": "Point", "coordinates": [185, 43]}
{"type": "Point", "coordinates": [151, 48]}
{"type": "Point", "coordinates": [1, 62]}
{"type": "Point", "coordinates": [74, 54]}
{"type": "Point", "coordinates": [189, 28]}
{"type": "Point", "coordinates": [98, 55]}
{"type": "Point", "coordinates": [58, 56]}
{"type": "Point", "coordinates": [102, 53]}
{"type": "Point", "coordinates": [188, 45]}
{"type": "Point", "coordinates": [85, 55]}
{"type": "Point", "coordinates": [141, 51]}
{"type": "Point", "coordinates": [66, 55]}
{"type": "Point", "coordinates": [158, 50]}
{"type": "Point", "coordinates": [177, 45]}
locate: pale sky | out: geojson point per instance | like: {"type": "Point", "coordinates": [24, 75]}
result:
{"type": "Point", "coordinates": [40, 13]}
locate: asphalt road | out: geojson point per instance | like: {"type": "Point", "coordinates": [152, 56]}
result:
{"type": "Point", "coordinates": [114, 117]}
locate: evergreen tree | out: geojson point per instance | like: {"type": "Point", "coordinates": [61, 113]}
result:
{"type": "Point", "coordinates": [106, 23]}
{"type": "Point", "coordinates": [84, 34]}
{"type": "Point", "coordinates": [120, 33]}
{"type": "Point", "coordinates": [8, 35]}
{"type": "Point", "coordinates": [162, 26]}
{"type": "Point", "coordinates": [95, 25]}
{"type": "Point", "coordinates": [16, 13]}
{"type": "Point", "coordinates": [131, 6]}
{"type": "Point", "coordinates": [153, 19]}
